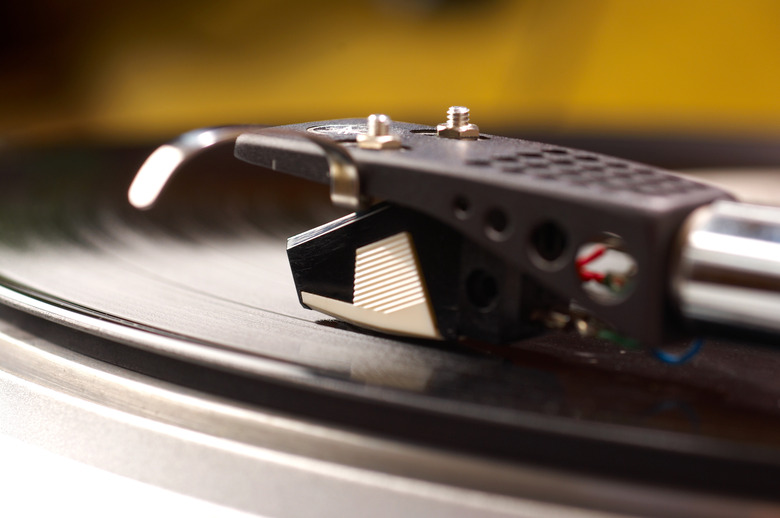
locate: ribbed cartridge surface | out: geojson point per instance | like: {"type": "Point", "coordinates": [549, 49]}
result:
{"type": "Point", "coordinates": [387, 277]}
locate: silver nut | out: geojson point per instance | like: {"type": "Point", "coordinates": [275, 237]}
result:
{"type": "Point", "coordinates": [378, 135]}
{"type": "Point", "coordinates": [458, 125]}
{"type": "Point", "coordinates": [470, 131]}
{"type": "Point", "coordinates": [378, 142]}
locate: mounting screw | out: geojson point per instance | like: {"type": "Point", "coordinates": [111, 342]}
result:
{"type": "Point", "coordinates": [457, 125]}
{"type": "Point", "coordinates": [378, 136]}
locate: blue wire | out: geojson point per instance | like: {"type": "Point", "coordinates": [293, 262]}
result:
{"type": "Point", "coordinates": [677, 359]}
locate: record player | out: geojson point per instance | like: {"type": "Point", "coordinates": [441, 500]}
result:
{"type": "Point", "coordinates": [169, 347]}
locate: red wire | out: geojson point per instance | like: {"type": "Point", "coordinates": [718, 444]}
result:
{"type": "Point", "coordinates": [582, 261]}
{"type": "Point", "coordinates": [587, 275]}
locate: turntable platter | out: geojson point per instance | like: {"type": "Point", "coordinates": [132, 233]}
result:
{"type": "Point", "coordinates": [198, 293]}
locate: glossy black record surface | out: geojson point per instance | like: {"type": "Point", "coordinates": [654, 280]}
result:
{"type": "Point", "coordinates": [198, 291]}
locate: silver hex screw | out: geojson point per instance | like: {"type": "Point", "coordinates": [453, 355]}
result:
{"type": "Point", "coordinates": [378, 135]}
{"type": "Point", "coordinates": [458, 125]}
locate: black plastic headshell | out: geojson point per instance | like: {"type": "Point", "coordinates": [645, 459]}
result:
{"type": "Point", "coordinates": [480, 237]}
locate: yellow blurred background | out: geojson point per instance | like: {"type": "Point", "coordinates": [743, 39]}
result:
{"type": "Point", "coordinates": [145, 70]}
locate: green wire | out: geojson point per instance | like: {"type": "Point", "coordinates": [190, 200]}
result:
{"type": "Point", "coordinates": [623, 341]}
